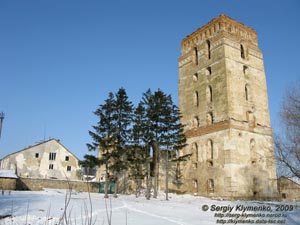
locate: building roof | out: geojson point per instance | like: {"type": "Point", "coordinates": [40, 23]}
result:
{"type": "Point", "coordinates": [7, 174]}
{"type": "Point", "coordinates": [40, 143]}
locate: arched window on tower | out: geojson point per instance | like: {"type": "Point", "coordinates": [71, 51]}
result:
{"type": "Point", "coordinates": [210, 185]}
{"type": "Point", "coordinates": [208, 49]}
{"type": "Point", "coordinates": [195, 56]}
{"type": "Point", "coordinates": [195, 155]}
{"type": "Point", "coordinates": [242, 52]}
{"type": "Point", "coordinates": [196, 122]}
{"type": "Point", "coordinates": [210, 152]}
{"type": "Point", "coordinates": [245, 70]}
{"type": "Point", "coordinates": [196, 98]}
{"type": "Point", "coordinates": [208, 71]}
{"type": "Point", "coordinates": [209, 94]}
{"type": "Point", "coordinates": [247, 92]}
{"type": "Point", "coordinates": [195, 186]}
{"type": "Point", "coordinates": [209, 118]}
{"type": "Point", "coordinates": [195, 77]}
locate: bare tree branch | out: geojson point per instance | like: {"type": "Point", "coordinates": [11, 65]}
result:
{"type": "Point", "coordinates": [288, 142]}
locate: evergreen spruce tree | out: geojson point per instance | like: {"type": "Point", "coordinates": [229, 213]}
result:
{"type": "Point", "coordinates": [103, 136]}
{"type": "Point", "coordinates": [123, 117]}
{"type": "Point", "coordinates": [139, 150]}
{"type": "Point", "coordinates": [89, 164]}
{"type": "Point", "coordinates": [174, 140]}
{"type": "Point", "coordinates": [111, 133]}
{"type": "Point", "coordinates": [162, 128]}
{"type": "Point", "coordinates": [124, 138]}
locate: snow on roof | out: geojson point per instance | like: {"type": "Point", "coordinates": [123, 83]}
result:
{"type": "Point", "coordinates": [7, 174]}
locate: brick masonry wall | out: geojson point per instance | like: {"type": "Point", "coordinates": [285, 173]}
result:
{"type": "Point", "coordinates": [40, 184]}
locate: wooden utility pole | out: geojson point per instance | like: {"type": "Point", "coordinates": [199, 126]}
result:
{"type": "Point", "coordinates": [1, 121]}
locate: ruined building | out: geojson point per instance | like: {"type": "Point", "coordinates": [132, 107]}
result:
{"type": "Point", "coordinates": [224, 103]}
{"type": "Point", "coordinates": [45, 160]}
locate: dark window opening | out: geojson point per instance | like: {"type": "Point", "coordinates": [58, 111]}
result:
{"type": "Point", "coordinates": [195, 165]}
{"type": "Point", "coordinates": [209, 118]}
{"type": "Point", "coordinates": [196, 122]}
{"type": "Point", "coordinates": [195, 56]}
{"type": "Point", "coordinates": [52, 156]}
{"type": "Point", "coordinates": [67, 158]}
{"type": "Point", "coordinates": [247, 92]}
{"type": "Point", "coordinates": [209, 94]}
{"type": "Point", "coordinates": [50, 166]}
{"type": "Point", "coordinates": [196, 98]}
{"type": "Point", "coordinates": [242, 52]}
{"type": "Point", "coordinates": [208, 49]}
{"type": "Point", "coordinates": [195, 77]}
{"type": "Point", "coordinates": [211, 185]}
{"type": "Point", "coordinates": [37, 155]}
{"type": "Point", "coordinates": [208, 70]}
{"type": "Point", "coordinates": [283, 195]}
{"type": "Point", "coordinates": [195, 152]}
{"type": "Point", "coordinates": [245, 70]}
{"type": "Point", "coordinates": [68, 168]}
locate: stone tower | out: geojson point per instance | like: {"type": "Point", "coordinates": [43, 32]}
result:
{"type": "Point", "coordinates": [224, 103]}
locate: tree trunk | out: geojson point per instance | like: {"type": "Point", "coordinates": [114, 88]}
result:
{"type": "Point", "coordinates": [167, 176]}
{"type": "Point", "coordinates": [116, 186]}
{"type": "Point", "coordinates": [138, 187]}
{"type": "Point", "coordinates": [106, 181]}
{"type": "Point", "coordinates": [148, 180]}
{"type": "Point", "coordinates": [155, 148]}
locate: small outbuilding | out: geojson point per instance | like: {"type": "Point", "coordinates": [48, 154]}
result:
{"type": "Point", "coordinates": [8, 180]}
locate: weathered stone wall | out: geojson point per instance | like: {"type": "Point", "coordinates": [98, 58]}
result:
{"type": "Point", "coordinates": [40, 184]}
{"type": "Point", "coordinates": [7, 184]}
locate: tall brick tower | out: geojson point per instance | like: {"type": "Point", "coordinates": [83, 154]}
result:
{"type": "Point", "coordinates": [224, 103]}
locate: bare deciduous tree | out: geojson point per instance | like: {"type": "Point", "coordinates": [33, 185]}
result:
{"type": "Point", "coordinates": [288, 142]}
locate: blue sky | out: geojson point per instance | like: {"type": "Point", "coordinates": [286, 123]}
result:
{"type": "Point", "coordinates": [59, 59]}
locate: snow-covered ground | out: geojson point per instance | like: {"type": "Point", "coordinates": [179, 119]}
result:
{"type": "Point", "coordinates": [47, 207]}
